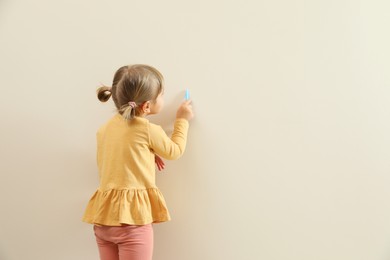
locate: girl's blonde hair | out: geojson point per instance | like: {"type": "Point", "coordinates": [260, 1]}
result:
{"type": "Point", "coordinates": [132, 86]}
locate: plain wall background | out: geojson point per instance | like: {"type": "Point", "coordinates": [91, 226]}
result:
{"type": "Point", "coordinates": [287, 158]}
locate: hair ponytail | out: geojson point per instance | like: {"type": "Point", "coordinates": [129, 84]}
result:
{"type": "Point", "coordinates": [104, 93]}
{"type": "Point", "coordinates": [128, 111]}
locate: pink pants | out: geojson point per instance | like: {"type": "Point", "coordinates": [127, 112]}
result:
{"type": "Point", "coordinates": [125, 242]}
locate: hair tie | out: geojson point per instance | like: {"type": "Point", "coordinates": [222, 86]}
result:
{"type": "Point", "coordinates": [132, 104]}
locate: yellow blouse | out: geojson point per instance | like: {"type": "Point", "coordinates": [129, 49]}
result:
{"type": "Point", "coordinates": [125, 156]}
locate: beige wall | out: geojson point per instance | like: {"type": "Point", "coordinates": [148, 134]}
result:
{"type": "Point", "coordinates": [288, 157]}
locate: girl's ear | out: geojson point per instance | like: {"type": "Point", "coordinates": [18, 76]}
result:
{"type": "Point", "coordinates": [145, 107]}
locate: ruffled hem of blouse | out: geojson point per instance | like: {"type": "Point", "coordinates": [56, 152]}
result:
{"type": "Point", "coordinates": [126, 207]}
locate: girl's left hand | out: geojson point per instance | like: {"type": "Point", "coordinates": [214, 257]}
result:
{"type": "Point", "coordinates": [159, 162]}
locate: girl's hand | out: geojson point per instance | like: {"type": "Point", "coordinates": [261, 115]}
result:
{"type": "Point", "coordinates": [159, 162]}
{"type": "Point", "coordinates": [185, 110]}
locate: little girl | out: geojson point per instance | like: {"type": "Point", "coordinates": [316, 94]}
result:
{"type": "Point", "coordinates": [128, 201]}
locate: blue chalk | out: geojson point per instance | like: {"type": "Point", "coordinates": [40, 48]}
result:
{"type": "Point", "coordinates": [187, 94]}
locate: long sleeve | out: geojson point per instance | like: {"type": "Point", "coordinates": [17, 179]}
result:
{"type": "Point", "coordinates": [169, 148]}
